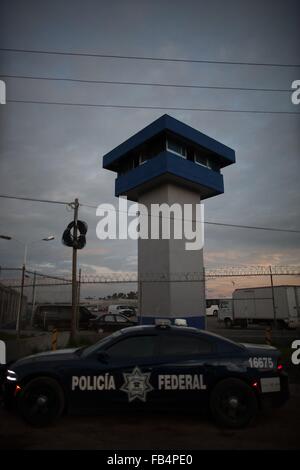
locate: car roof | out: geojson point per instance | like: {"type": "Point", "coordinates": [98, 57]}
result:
{"type": "Point", "coordinates": [174, 328]}
{"type": "Point", "coordinates": [188, 330]}
{"type": "Point", "coordinates": [114, 314]}
{"type": "Point", "coordinates": [222, 345]}
{"type": "Point", "coordinates": [58, 305]}
{"type": "Point", "coordinates": [155, 329]}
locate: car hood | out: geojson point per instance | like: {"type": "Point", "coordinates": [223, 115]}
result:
{"type": "Point", "coordinates": [49, 356]}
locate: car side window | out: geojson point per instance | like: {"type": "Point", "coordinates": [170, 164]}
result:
{"type": "Point", "coordinates": [183, 345]}
{"type": "Point", "coordinates": [120, 319]}
{"type": "Point", "coordinates": [50, 313]}
{"type": "Point", "coordinates": [109, 318]}
{"type": "Point", "coordinates": [142, 346]}
{"type": "Point", "coordinates": [64, 313]}
{"type": "Point", "coordinates": [84, 313]}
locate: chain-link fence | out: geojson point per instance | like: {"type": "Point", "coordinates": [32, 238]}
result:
{"type": "Point", "coordinates": [99, 291]}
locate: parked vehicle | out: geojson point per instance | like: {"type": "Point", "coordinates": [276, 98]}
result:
{"type": "Point", "coordinates": [160, 367]}
{"type": "Point", "coordinates": [49, 316]}
{"type": "Point", "coordinates": [212, 311]}
{"type": "Point", "coordinates": [119, 308]}
{"type": "Point", "coordinates": [257, 306]}
{"type": "Point", "coordinates": [129, 313]}
{"type": "Point", "coordinates": [111, 322]}
{"type": "Point", "coordinates": [127, 310]}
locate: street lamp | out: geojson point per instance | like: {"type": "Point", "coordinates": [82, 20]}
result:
{"type": "Point", "coordinates": [6, 237]}
{"type": "Point", "coordinates": [26, 244]}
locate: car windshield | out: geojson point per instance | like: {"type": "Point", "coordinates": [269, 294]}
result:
{"type": "Point", "coordinates": [94, 347]}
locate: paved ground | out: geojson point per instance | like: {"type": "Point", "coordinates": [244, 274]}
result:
{"type": "Point", "coordinates": [253, 334]}
{"type": "Point", "coordinates": [278, 429]}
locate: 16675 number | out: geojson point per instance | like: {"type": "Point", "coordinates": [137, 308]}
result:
{"type": "Point", "coordinates": [261, 362]}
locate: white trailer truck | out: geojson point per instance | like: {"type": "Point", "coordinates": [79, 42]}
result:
{"type": "Point", "coordinates": [262, 305]}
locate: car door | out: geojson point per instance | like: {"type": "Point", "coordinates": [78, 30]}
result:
{"type": "Point", "coordinates": [108, 322]}
{"type": "Point", "coordinates": [122, 321]}
{"type": "Point", "coordinates": [64, 316]}
{"type": "Point", "coordinates": [118, 373]}
{"type": "Point", "coordinates": [84, 317]}
{"type": "Point", "coordinates": [185, 369]}
{"type": "Point", "coordinates": [131, 361]}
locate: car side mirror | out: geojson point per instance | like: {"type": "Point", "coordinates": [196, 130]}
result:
{"type": "Point", "coordinates": [103, 357]}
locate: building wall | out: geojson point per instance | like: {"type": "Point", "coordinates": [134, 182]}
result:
{"type": "Point", "coordinates": [162, 260]}
{"type": "Point", "coordinates": [9, 305]}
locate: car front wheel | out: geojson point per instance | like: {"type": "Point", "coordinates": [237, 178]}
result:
{"type": "Point", "coordinates": [41, 401]}
{"type": "Point", "coordinates": [233, 403]}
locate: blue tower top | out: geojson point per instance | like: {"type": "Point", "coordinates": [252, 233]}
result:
{"type": "Point", "coordinates": [168, 150]}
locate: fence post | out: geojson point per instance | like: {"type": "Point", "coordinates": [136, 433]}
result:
{"type": "Point", "coordinates": [273, 297]}
{"type": "Point", "coordinates": [33, 298]}
{"type": "Point", "coordinates": [140, 285]}
{"type": "Point", "coordinates": [268, 335]}
{"type": "Point", "coordinates": [54, 339]}
{"type": "Point", "coordinates": [20, 309]}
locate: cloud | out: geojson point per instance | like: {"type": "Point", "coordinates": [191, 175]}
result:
{"type": "Point", "coordinates": [56, 152]}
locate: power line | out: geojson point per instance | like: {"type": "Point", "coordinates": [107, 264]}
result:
{"type": "Point", "coordinates": [165, 85]}
{"type": "Point", "coordinates": [272, 229]}
{"type": "Point", "coordinates": [148, 58]}
{"type": "Point", "coordinates": [252, 227]}
{"type": "Point", "coordinates": [34, 200]}
{"type": "Point", "coordinates": [161, 108]}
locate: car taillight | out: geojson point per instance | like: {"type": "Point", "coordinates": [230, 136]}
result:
{"type": "Point", "coordinates": [17, 389]}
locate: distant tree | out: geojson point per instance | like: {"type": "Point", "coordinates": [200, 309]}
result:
{"type": "Point", "coordinates": [132, 295]}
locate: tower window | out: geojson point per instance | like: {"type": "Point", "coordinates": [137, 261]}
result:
{"type": "Point", "coordinates": [202, 160]}
{"type": "Point", "coordinates": [176, 147]}
{"type": "Point", "coordinates": [142, 158]}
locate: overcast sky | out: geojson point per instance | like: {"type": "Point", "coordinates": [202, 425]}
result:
{"type": "Point", "coordinates": [55, 152]}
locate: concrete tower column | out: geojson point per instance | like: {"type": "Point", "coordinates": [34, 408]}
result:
{"type": "Point", "coordinates": [169, 264]}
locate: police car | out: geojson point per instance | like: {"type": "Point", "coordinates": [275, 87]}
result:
{"type": "Point", "coordinates": [159, 366]}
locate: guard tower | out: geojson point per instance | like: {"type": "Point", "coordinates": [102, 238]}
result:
{"type": "Point", "coordinates": [169, 162]}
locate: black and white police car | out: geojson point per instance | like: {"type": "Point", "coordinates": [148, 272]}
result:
{"type": "Point", "coordinates": [158, 366]}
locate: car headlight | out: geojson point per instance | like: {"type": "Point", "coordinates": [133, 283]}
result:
{"type": "Point", "coordinates": [11, 375]}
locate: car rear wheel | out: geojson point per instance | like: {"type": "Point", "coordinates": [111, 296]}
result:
{"type": "Point", "coordinates": [41, 401]}
{"type": "Point", "coordinates": [233, 403]}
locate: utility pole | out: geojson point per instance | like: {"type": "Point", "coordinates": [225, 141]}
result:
{"type": "Point", "coordinates": [140, 293]}
{"type": "Point", "coordinates": [78, 300]}
{"type": "Point", "coordinates": [19, 315]}
{"type": "Point", "coordinates": [74, 272]}
{"type": "Point", "coordinates": [273, 297]}
{"type": "Point", "coordinates": [204, 290]}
